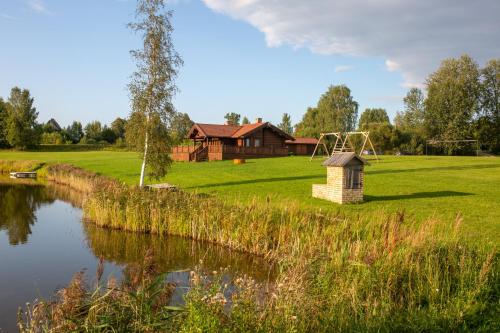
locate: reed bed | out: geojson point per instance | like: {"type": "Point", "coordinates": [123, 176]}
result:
{"type": "Point", "coordinates": [379, 273]}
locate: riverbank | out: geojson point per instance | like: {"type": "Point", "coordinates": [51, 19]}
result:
{"type": "Point", "coordinates": [337, 273]}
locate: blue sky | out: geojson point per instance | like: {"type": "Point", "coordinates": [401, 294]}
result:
{"type": "Point", "coordinates": [74, 58]}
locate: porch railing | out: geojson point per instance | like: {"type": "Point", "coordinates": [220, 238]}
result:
{"type": "Point", "coordinates": [257, 151]}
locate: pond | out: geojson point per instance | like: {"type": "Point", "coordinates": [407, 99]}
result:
{"type": "Point", "coordinates": [44, 242]}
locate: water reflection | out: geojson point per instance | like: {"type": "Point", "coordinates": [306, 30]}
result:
{"type": "Point", "coordinates": [17, 209]}
{"type": "Point", "coordinates": [171, 253]}
{"type": "Point", "coordinates": [43, 243]}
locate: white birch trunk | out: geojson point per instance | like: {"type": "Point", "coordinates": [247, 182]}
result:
{"type": "Point", "coordinates": [143, 167]}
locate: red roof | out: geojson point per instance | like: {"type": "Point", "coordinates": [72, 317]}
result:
{"type": "Point", "coordinates": [218, 131]}
{"type": "Point", "coordinates": [246, 129]}
{"type": "Point", "coordinates": [303, 141]}
{"type": "Point", "coordinates": [231, 131]}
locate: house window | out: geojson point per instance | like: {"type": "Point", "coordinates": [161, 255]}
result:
{"type": "Point", "coordinates": [353, 177]}
{"type": "Point", "coordinates": [247, 142]}
{"type": "Point", "coordinates": [257, 142]}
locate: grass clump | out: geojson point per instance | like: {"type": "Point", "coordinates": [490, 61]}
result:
{"type": "Point", "coordinates": [140, 303]}
{"type": "Point", "coordinates": [7, 166]}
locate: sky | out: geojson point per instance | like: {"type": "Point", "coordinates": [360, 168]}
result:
{"type": "Point", "coordinates": [258, 58]}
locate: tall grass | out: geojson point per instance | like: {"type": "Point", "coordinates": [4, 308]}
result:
{"type": "Point", "coordinates": [18, 166]}
{"type": "Point", "coordinates": [385, 273]}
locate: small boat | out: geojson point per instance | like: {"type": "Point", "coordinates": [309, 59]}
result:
{"type": "Point", "coordinates": [23, 175]}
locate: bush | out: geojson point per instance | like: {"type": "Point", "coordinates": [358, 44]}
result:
{"type": "Point", "coordinates": [54, 138]}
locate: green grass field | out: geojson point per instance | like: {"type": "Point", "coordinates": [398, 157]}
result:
{"type": "Point", "coordinates": [423, 187]}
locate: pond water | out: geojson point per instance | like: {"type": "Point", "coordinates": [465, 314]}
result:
{"type": "Point", "coordinates": [43, 243]}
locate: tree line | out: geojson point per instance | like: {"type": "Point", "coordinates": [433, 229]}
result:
{"type": "Point", "coordinates": [462, 101]}
{"type": "Point", "coordinates": [20, 129]}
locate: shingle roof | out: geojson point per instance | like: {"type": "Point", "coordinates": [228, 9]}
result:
{"type": "Point", "coordinates": [220, 131]}
{"type": "Point", "coordinates": [245, 129]}
{"type": "Point", "coordinates": [341, 159]}
{"type": "Point", "coordinates": [306, 141]}
{"type": "Point", "coordinates": [52, 122]}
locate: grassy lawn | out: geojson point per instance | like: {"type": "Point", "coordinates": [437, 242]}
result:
{"type": "Point", "coordinates": [421, 186]}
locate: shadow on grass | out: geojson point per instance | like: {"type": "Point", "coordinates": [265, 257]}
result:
{"type": "Point", "coordinates": [260, 180]}
{"type": "Point", "coordinates": [448, 168]}
{"type": "Point", "coordinates": [417, 195]}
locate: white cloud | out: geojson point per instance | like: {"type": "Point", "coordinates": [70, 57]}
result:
{"type": "Point", "coordinates": [342, 68]}
{"type": "Point", "coordinates": [413, 36]}
{"type": "Point", "coordinates": [38, 6]}
{"type": "Point", "coordinates": [391, 66]}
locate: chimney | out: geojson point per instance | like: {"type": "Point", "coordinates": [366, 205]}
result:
{"type": "Point", "coordinates": [258, 121]}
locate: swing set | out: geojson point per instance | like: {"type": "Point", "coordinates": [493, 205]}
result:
{"type": "Point", "coordinates": [343, 143]}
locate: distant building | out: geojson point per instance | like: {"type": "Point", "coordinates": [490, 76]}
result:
{"type": "Point", "coordinates": [213, 142]}
{"type": "Point", "coordinates": [52, 123]}
{"type": "Point", "coordinates": [345, 179]}
{"type": "Point", "coordinates": [302, 146]}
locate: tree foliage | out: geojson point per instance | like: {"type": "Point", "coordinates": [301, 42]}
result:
{"type": "Point", "coordinates": [21, 127]}
{"type": "Point", "coordinates": [336, 111]}
{"type": "Point", "coordinates": [118, 128]}
{"type": "Point", "coordinates": [3, 123]}
{"type": "Point", "coordinates": [232, 118]}
{"type": "Point", "coordinates": [373, 116]}
{"type": "Point", "coordinates": [286, 124]}
{"type": "Point", "coordinates": [180, 126]}
{"type": "Point", "coordinates": [108, 135]}
{"type": "Point", "coordinates": [452, 99]}
{"type": "Point", "coordinates": [75, 132]}
{"type": "Point", "coordinates": [488, 118]}
{"type": "Point", "coordinates": [153, 86]}
{"type": "Point", "coordinates": [245, 121]}
{"type": "Point", "coordinates": [410, 130]}
{"type": "Point", "coordinates": [52, 138]}
{"type": "Point", "coordinates": [413, 115]}
{"type": "Point", "coordinates": [93, 132]}
{"type": "Point", "coordinates": [382, 136]}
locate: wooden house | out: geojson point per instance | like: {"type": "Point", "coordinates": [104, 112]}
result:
{"type": "Point", "coordinates": [301, 146]}
{"type": "Point", "coordinates": [221, 142]}
{"type": "Point", "coordinates": [345, 179]}
{"type": "Point", "coordinates": [53, 125]}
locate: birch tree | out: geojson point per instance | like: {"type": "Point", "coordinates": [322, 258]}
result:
{"type": "Point", "coordinates": [286, 124]}
{"type": "Point", "coordinates": [152, 88]}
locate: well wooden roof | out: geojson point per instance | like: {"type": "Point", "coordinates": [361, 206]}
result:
{"type": "Point", "coordinates": [341, 159]}
{"type": "Point", "coordinates": [232, 131]}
